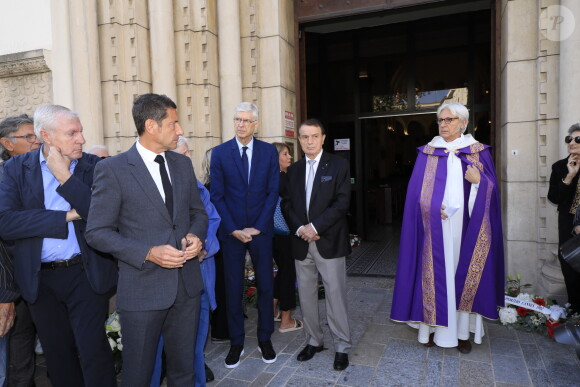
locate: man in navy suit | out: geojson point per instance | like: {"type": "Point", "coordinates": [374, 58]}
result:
{"type": "Point", "coordinates": [44, 203]}
{"type": "Point", "coordinates": [244, 189]}
{"type": "Point", "coordinates": [315, 204]}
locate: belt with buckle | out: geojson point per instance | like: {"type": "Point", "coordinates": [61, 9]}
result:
{"type": "Point", "coordinates": [61, 263]}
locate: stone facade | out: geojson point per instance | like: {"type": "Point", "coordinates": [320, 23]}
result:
{"type": "Point", "coordinates": [209, 55]}
{"type": "Point", "coordinates": [25, 82]}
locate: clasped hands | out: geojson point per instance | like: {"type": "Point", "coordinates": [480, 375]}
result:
{"type": "Point", "coordinates": [307, 233]}
{"type": "Point", "coordinates": [170, 258]}
{"type": "Point", "coordinates": [246, 234]}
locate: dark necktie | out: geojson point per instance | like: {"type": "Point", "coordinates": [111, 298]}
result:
{"type": "Point", "coordinates": [245, 164]}
{"type": "Point", "coordinates": [166, 184]}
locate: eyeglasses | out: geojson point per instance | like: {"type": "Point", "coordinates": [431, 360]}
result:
{"type": "Point", "coordinates": [29, 137]}
{"type": "Point", "coordinates": [244, 121]}
{"type": "Point", "coordinates": [568, 139]}
{"type": "Point", "coordinates": [447, 120]}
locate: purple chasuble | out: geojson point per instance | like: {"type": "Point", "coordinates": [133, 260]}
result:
{"type": "Point", "coordinates": [420, 293]}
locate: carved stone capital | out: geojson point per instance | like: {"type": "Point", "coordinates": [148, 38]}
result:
{"type": "Point", "coordinates": [23, 63]}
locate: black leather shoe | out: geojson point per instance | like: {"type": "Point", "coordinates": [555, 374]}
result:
{"type": "Point", "coordinates": [267, 351]}
{"type": "Point", "coordinates": [233, 358]}
{"type": "Point", "coordinates": [308, 352]}
{"type": "Point", "coordinates": [209, 377]}
{"type": "Point", "coordinates": [340, 361]}
{"type": "Point", "coordinates": [464, 346]}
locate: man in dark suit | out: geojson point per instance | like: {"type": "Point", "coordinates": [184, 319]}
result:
{"type": "Point", "coordinates": [146, 212]}
{"type": "Point", "coordinates": [44, 203]}
{"type": "Point", "coordinates": [244, 189]}
{"type": "Point", "coordinates": [315, 203]}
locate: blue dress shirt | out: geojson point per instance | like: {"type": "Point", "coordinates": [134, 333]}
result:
{"type": "Point", "coordinates": [57, 249]}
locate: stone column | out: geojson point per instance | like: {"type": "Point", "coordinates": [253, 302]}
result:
{"type": "Point", "coordinates": [230, 71]}
{"type": "Point", "coordinates": [60, 60]}
{"type": "Point", "coordinates": [569, 75]}
{"type": "Point", "coordinates": [162, 40]}
{"type": "Point", "coordinates": [86, 70]}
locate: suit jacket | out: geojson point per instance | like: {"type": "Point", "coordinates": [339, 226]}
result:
{"type": "Point", "coordinates": [24, 220]}
{"type": "Point", "coordinates": [329, 204]}
{"type": "Point", "coordinates": [128, 216]}
{"type": "Point", "coordinates": [240, 204]}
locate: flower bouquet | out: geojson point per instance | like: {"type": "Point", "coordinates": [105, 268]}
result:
{"type": "Point", "coordinates": [355, 240]}
{"type": "Point", "coordinates": [113, 330]}
{"type": "Point", "coordinates": [531, 313]}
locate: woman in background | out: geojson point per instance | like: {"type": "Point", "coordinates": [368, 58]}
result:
{"type": "Point", "coordinates": [285, 281]}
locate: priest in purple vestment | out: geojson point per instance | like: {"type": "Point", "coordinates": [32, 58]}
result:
{"type": "Point", "coordinates": [451, 263]}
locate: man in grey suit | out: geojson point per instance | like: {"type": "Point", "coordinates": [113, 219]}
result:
{"type": "Point", "coordinates": [146, 212]}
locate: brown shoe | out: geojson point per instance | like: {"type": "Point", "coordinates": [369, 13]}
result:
{"type": "Point", "coordinates": [464, 346]}
{"type": "Point", "coordinates": [430, 343]}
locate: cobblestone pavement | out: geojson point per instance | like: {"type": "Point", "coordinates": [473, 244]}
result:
{"type": "Point", "coordinates": [385, 353]}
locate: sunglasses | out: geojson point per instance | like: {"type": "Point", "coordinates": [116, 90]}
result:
{"type": "Point", "coordinates": [568, 139]}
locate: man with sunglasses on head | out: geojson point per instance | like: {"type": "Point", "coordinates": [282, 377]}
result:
{"type": "Point", "coordinates": [16, 137]}
{"type": "Point", "coordinates": [565, 193]}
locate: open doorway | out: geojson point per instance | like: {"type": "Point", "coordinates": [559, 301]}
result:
{"type": "Point", "coordinates": [379, 87]}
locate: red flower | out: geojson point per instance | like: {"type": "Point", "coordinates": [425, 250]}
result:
{"type": "Point", "coordinates": [251, 291]}
{"type": "Point", "coordinates": [522, 311]}
{"type": "Point", "coordinates": [540, 301]}
{"type": "Point", "coordinates": [551, 325]}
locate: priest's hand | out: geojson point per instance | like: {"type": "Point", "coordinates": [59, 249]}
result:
{"type": "Point", "coordinates": [443, 214]}
{"type": "Point", "coordinates": [472, 175]}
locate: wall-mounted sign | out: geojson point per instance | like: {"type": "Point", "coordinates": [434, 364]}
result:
{"type": "Point", "coordinates": [289, 123]}
{"type": "Point", "coordinates": [342, 144]}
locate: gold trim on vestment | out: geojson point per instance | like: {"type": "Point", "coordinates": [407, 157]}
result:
{"type": "Point", "coordinates": [428, 275]}
{"type": "Point", "coordinates": [428, 149]}
{"type": "Point", "coordinates": [479, 257]}
{"type": "Point", "coordinates": [474, 156]}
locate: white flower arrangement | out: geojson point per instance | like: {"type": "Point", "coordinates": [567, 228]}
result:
{"type": "Point", "coordinates": [113, 330]}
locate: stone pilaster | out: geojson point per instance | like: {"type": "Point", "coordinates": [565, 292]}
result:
{"type": "Point", "coordinates": [197, 65]}
{"type": "Point", "coordinates": [230, 63]}
{"type": "Point", "coordinates": [84, 48]}
{"type": "Point", "coordinates": [125, 67]}
{"type": "Point", "coordinates": [162, 44]}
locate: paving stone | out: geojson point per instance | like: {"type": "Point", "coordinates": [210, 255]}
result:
{"type": "Point", "coordinates": [526, 337]}
{"type": "Point", "coordinates": [262, 379]}
{"type": "Point", "coordinates": [479, 352]}
{"type": "Point", "coordinates": [472, 373]}
{"type": "Point", "coordinates": [304, 381]}
{"type": "Point", "coordinates": [282, 359]}
{"type": "Point", "coordinates": [499, 331]}
{"type": "Point", "coordinates": [282, 377]}
{"type": "Point", "coordinates": [436, 353]}
{"type": "Point", "coordinates": [320, 367]}
{"type": "Point", "coordinates": [367, 354]}
{"type": "Point", "coordinates": [248, 369]}
{"type": "Point", "coordinates": [539, 377]}
{"type": "Point", "coordinates": [505, 347]}
{"type": "Point", "coordinates": [450, 369]}
{"type": "Point", "coordinates": [532, 356]}
{"type": "Point", "coordinates": [433, 372]}
{"type": "Point", "coordinates": [227, 382]}
{"type": "Point", "coordinates": [405, 350]}
{"type": "Point", "coordinates": [396, 372]}
{"type": "Point", "coordinates": [562, 373]}
{"type": "Point", "coordinates": [356, 375]}
{"type": "Point", "coordinates": [510, 370]}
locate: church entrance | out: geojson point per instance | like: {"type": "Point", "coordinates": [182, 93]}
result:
{"type": "Point", "coordinates": [376, 80]}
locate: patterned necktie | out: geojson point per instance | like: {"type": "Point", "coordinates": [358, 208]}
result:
{"type": "Point", "coordinates": [166, 184]}
{"type": "Point", "coordinates": [245, 164]}
{"type": "Point", "coordinates": [309, 183]}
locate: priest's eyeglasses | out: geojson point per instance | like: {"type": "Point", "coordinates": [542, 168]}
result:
{"type": "Point", "coordinates": [244, 121]}
{"type": "Point", "coordinates": [447, 120]}
{"type": "Point", "coordinates": [31, 138]}
{"type": "Point", "coordinates": [568, 139]}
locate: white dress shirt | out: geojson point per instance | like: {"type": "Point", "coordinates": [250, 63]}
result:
{"type": "Point", "coordinates": [314, 169]}
{"type": "Point", "coordinates": [153, 167]}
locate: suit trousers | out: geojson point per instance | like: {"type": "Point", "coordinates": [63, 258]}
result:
{"type": "Point", "coordinates": [141, 332]}
{"type": "Point", "coordinates": [22, 342]}
{"type": "Point", "coordinates": [70, 319]}
{"type": "Point", "coordinates": [234, 253]}
{"type": "Point", "coordinates": [333, 273]}
{"type": "Point", "coordinates": [199, 362]}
